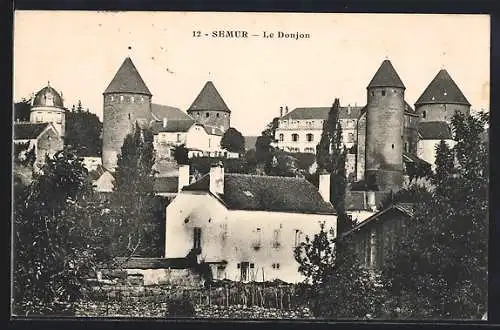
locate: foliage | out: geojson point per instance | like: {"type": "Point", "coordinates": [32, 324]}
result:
{"type": "Point", "coordinates": [263, 143]}
{"type": "Point", "coordinates": [418, 170]}
{"type": "Point", "coordinates": [83, 131]}
{"type": "Point", "coordinates": [136, 212]}
{"type": "Point", "coordinates": [24, 155]}
{"type": "Point", "coordinates": [439, 269]}
{"type": "Point", "coordinates": [233, 141]}
{"type": "Point", "coordinates": [411, 191]}
{"type": "Point", "coordinates": [337, 284]}
{"type": "Point", "coordinates": [22, 110]}
{"type": "Point", "coordinates": [331, 156]}
{"type": "Point", "coordinates": [281, 163]}
{"type": "Point", "coordinates": [54, 241]}
{"type": "Point", "coordinates": [202, 165]}
{"type": "Point", "coordinates": [180, 307]}
{"type": "Point", "coordinates": [181, 154]}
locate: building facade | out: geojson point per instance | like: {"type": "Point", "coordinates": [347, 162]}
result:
{"type": "Point", "coordinates": [48, 107]}
{"type": "Point", "coordinates": [245, 226]}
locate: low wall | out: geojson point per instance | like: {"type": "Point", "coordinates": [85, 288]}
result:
{"type": "Point", "coordinates": [254, 312]}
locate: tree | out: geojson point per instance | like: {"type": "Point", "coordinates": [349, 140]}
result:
{"type": "Point", "coordinates": [233, 141]}
{"type": "Point", "coordinates": [331, 156]}
{"type": "Point", "coordinates": [22, 110]}
{"type": "Point", "coordinates": [282, 164]}
{"type": "Point", "coordinates": [137, 209]}
{"type": "Point", "coordinates": [439, 268]}
{"type": "Point", "coordinates": [337, 284]}
{"type": "Point", "coordinates": [263, 143]}
{"type": "Point", "coordinates": [83, 131]}
{"type": "Point", "coordinates": [181, 154]}
{"type": "Point", "coordinates": [54, 246]}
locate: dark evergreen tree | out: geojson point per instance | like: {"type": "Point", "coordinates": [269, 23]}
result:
{"type": "Point", "coordinates": [135, 205]}
{"type": "Point", "coordinates": [444, 163]}
{"type": "Point", "coordinates": [439, 268]}
{"type": "Point", "coordinates": [181, 154]}
{"type": "Point", "coordinates": [22, 110]}
{"type": "Point", "coordinates": [233, 141]}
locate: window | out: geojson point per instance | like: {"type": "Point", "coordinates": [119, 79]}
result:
{"type": "Point", "coordinates": [373, 93]}
{"type": "Point", "coordinates": [281, 137]}
{"type": "Point", "coordinates": [392, 146]}
{"type": "Point", "coordinates": [207, 114]}
{"type": "Point", "coordinates": [217, 115]}
{"type": "Point", "coordinates": [257, 239]}
{"type": "Point", "coordinates": [298, 237]}
{"type": "Point", "coordinates": [310, 137]}
{"type": "Point", "coordinates": [112, 98]}
{"type": "Point", "coordinates": [121, 98]}
{"type": "Point", "coordinates": [197, 238]}
{"type": "Point", "coordinates": [276, 266]}
{"type": "Point", "coordinates": [295, 137]}
{"type": "Point", "coordinates": [350, 137]}
{"type": "Point", "coordinates": [383, 93]}
{"type": "Point", "coordinates": [406, 146]}
{"type": "Point", "coordinates": [209, 141]}
{"type": "Point", "coordinates": [276, 238]}
{"type": "Point", "coordinates": [131, 99]}
{"type": "Point", "coordinates": [423, 114]}
{"type": "Point", "coordinates": [178, 137]}
{"type": "Point", "coordinates": [244, 271]}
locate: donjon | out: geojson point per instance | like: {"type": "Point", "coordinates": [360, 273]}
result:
{"type": "Point", "coordinates": [210, 109]}
{"type": "Point", "coordinates": [384, 129]}
{"type": "Point", "coordinates": [127, 100]}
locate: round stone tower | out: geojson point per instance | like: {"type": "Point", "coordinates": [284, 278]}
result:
{"type": "Point", "coordinates": [384, 129]}
{"type": "Point", "coordinates": [210, 109]}
{"type": "Point", "coordinates": [441, 99]}
{"type": "Point", "coordinates": [127, 100]}
{"type": "Point", "coordinates": [48, 107]}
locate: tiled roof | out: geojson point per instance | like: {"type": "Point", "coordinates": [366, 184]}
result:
{"type": "Point", "coordinates": [172, 126]}
{"type": "Point", "coordinates": [405, 208]}
{"type": "Point", "coordinates": [386, 76]}
{"type": "Point", "coordinates": [166, 184]}
{"type": "Point", "coordinates": [442, 89]}
{"type": "Point", "coordinates": [322, 113]}
{"type": "Point", "coordinates": [28, 131]}
{"type": "Point", "coordinates": [250, 142]}
{"type": "Point", "coordinates": [212, 130]}
{"type": "Point", "coordinates": [434, 130]}
{"type": "Point", "coordinates": [171, 113]}
{"type": "Point", "coordinates": [410, 158]}
{"type": "Point", "coordinates": [209, 99]}
{"type": "Point", "coordinates": [127, 80]}
{"type": "Point", "coordinates": [267, 193]}
{"type": "Point", "coordinates": [41, 98]}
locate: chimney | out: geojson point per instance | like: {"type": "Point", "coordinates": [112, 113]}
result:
{"type": "Point", "coordinates": [281, 111]}
{"type": "Point", "coordinates": [371, 201]}
{"type": "Point", "coordinates": [324, 185]}
{"type": "Point", "coordinates": [217, 178]}
{"type": "Point", "coordinates": [286, 109]}
{"type": "Point", "coordinates": [183, 177]}
{"type": "Point", "coordinates": [164, 122]}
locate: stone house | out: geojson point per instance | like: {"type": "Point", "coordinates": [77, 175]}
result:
{"type": "Point", "coordinates": [246, 226]}
{"type": "Point", "coordinates": [42, 137]}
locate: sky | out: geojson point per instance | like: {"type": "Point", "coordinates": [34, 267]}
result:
{"type": "Point", "coordinates": [79, 53]}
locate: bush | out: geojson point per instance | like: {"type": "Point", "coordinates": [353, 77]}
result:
{"type": "Point", "coordinates": [180, 307]}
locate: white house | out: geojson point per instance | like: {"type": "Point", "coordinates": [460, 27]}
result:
{"type": "Point", "coordinates": [246, 226]}
{"type": "Point", "coordinates": [430, 135]}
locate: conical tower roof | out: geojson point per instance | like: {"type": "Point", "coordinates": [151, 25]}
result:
{"type": "Point", "coordinates": [386, 76]}
{"type": "Point", "coordinates": [209, 99]}
{"type": "Point", "coordinates": [442, 89]}
{"type": "Point", "coordinates": [127, 80]}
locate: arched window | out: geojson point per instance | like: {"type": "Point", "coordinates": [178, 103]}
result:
{"type": "Point", "coordinates": [207, 114]}
{"type": "Point", "coordinates": [295, 137]}
{"type": "Point", "coordinates": [281, 137]}
{"type": "Point", "coordinates": [310, 137]}
{"type": "Point", "coordinates": [217, 115]}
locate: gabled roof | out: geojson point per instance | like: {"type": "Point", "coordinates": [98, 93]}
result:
{"type": "Point", "coordinates": [212, 130]}
{"type": "Point", "coordinates": [166, 184]}
{"type": "Point", "coordinates": [209, 99]}
{"type": "Point", "coordinates": [434, 130]}
{"type": "Point", "coordinates": [28, 131]}
{"type": "Point", "coordinates": [172, 126]}
{"type": "Point", "coordinates": [442, 89]}
{"type": "Point", "coordinates": [97, 173]}
{"type": "Point", "coordinates": [127, 80]}
{"type": "Point", "coordinates": [267, 193]}
{"type": "Point", "coordinates": [171, 113]}
{"type": "Point", "coordinates": [410, 158]}
{"type": "Point", "coordinates": [386, 76]}
{"type": "Point", "coordinates": [322, 113]}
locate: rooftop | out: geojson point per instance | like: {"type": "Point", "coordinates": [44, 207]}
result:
{"type": "Point", "coordinates": [442, 89]}
{"type": "Point", "coordinates": [209, 99]}
{"type": "Point", "coordinates": [386, 76]}
{"type": "Point", "coordinates": [160, 111]}
{"type": "Point", "coordinates": [127, 80]}
{"type": "Point", "coordinates": [267, 193]}
{"type": "Point", "coordinates": [434, 130]}
{"type": "Point", "coordinates": [28, 131]}
{"type": "Point", "coordinates": [349, 112]}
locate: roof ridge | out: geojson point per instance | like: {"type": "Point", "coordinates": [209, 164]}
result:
{"type": "Point", "coordinates": [127, 79]}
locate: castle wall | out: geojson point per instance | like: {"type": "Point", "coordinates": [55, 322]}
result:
{"type": "Point", "coordinates": [440, 112]}
{"type": "Point", "coordinates": [120, 112]}
{"type": "Point", "coordinates": [384, 137]}
{"type": "Point", "coordinates": [219, 119]}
